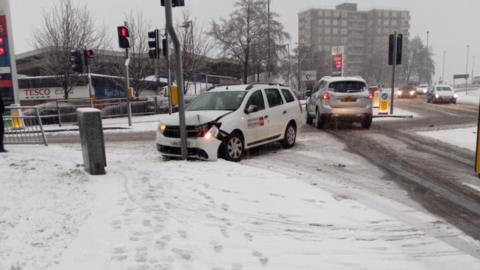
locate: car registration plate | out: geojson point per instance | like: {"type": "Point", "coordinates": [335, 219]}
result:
{"type": "Point", "coordinates": [349, 99]}
{"type": "Point", "coordinates": [177, 143]}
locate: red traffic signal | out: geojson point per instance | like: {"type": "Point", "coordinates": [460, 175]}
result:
{"type": "Point", "coordinates": [2, 51]}
{"type": "Point", "coordinates": [88, 53]}
{"type": "Point", "coordinates": [123, 35]}
{"type": "Point", "coordinates": [2, 41]}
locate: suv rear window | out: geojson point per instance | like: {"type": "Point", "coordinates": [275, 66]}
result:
{"type": "Point", "coordinates": [288, 95]}
{"type": "Point", "coordinates": [274, 97]}
{"type": "Point", "coordinates": [347, 86]}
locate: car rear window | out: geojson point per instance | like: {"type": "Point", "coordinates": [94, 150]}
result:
{"type": "Point", "coordinates": [274, 97]}
{"type": "Point", "coordinates": [347, 86]}
{"type": "Point", "coordinates": [288, 95]}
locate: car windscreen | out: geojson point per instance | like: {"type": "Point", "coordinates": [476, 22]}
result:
{"type": "Point", "coordinates": [347, 86]}
{"type": "Point", "coordinates": [444, 88]}
{"type": "Point", "coordinates": [218, 101]}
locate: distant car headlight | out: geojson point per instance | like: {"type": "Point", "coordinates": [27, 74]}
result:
{"type": "Point", "coordinates": [424, 91]}
{"type": "Point", "coordinates": [455, 95]}
{"type": "Point", "coordinates": [437, 96]}
{"type": "Point", "coordinates": [399, 93]}
{"type": "Point", "coordinates": [412, 93]}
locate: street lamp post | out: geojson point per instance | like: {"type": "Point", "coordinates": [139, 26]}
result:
{"type": "Point", "coordinates": [443, 66]}
{"type": "Point", "coordinates": [428, 52]}
{"type": "Point", "coordinates": [466, 70]}
{"type": "Point", "coordinates": [268, 41]}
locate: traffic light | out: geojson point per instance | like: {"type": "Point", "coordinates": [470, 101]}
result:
{"type": "Point", "coordinates": [154, 44]}
{"type": "Point", "coordinates": [123, 35]}
{"type": "Point", "coordinates": [175, 3]}
{"type": "Point", "coordinates": [76, 61]}
{"type": "Point", "coordinates": [165, 47]}
{"type": "Point", "coordinates": [399, 49]}
{"type": "Point", "coordinates": [87, 55]}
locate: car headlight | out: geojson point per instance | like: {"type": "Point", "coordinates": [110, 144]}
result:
{"type": "Point", "coordinates": [212, 132]}
{"type": "Point", "coordinates": [455, 95]}
{"type": "Point", "coordinates": [424, 91]}
{"type": "Point", "coordinates": [412, 93]}
{"type": "Point", "coordinates": [162, 128]}
{"type": "Point", "coordinates": [399, 93]}
{"type": "Point", "coordinates": [437, 96]}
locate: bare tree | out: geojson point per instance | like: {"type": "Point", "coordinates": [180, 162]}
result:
{"type": "Point", "coordinates": [66, 27]}
{"type": "Point", "coordinates": [235, 35]}
{"type": "Point", "coordinates": [196, 45]}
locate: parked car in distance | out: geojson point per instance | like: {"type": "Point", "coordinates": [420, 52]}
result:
{"type": "Point", "coordinates": [344, 98]}
{"type": "Point", "coordinates": [422, 89]}
{"type": "Point", "coordinates": [407, 91]}
{"type": "Point", "coordinates": [228, 120]}
{"type": "Point", "coordinates": [441, 94]}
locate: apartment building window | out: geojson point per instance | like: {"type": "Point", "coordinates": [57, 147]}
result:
{"type": "Point", "coordinates": [394, 14]}
{"type": "Point", "coordinates": [386, 14]}
{"type": "Point", "coordinates": [335, 22]}
{"type": "Point", "coordinates": [344, 23]}
{"type": "Point", "coordinates": [344, 40]}
{"type": "Point", "coordinates": [320, 13]}
{"type": "Point", "coordinates": [394, 23]}
{"type": "Point", "coordinates": [327, 22]}
{"type": "Point", "coordinates": [328, 31]}
{"type": "Point", "coordinates": [344, 31]}
{"type": "Point", "coordinates": [335, 31]}
{"type": "Point", "coordinates": [328, 13]}
{"type": "Point", "coordinates": [386, 23]}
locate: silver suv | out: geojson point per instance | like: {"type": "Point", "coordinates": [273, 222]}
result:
{"type": "Point", "coordinates": [343, 98]}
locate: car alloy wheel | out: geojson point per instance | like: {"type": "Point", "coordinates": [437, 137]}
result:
{"type": "Point", "coordinates": [290, 136]}
{"type": "Point", "coordinates": [234, 148]}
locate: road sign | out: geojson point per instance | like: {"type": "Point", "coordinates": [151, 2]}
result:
{"type": "Point", "coordinates": [384, 102]}
{"type": "Point", "coordinates": [309, 75]}
{"type": "Point", "coordinates": [461, 76]}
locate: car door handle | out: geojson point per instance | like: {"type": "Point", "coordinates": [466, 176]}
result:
{"type": "Point", "coordinates": [284, 112]}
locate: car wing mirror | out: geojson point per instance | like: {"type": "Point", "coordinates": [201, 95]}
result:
{"type": "Point", "coordinates": [251, 109]}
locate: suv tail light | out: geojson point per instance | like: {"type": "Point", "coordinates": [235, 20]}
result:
{"type": "Point", "coordinates": [326, 96]}
{"type": "Point", "coordinates": [370, 95]}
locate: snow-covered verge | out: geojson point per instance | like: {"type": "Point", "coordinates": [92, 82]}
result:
{"type": "Point", "coordinates": [469, 97]}
{"type": "Point", "coordinates": [463, 137]}
{"type": "Point", "coordinates": [150, 214]}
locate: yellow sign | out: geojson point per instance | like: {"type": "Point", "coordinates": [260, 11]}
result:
{"type": "Point", "coordinates": [384, 103]}
{"type": "Point", "coordinates": [174, 95]}
{"type": "Point", "coordinates": [130, 93]}
{"type": "Point", "coordinates": [17, 121]}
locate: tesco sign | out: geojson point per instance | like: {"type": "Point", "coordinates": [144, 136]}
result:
{"type": "Point", "coordinates": [52, 93]}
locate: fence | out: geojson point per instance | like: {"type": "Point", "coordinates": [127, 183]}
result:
{"type": "Point", "coordinates": [24, 126]}
{"type": "Point", "coordinates": [65, 111]}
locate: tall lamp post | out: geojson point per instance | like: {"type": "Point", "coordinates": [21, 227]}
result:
{"type": "Point", "coordinates": [428, 52]}
{"type": "Point", "coordinates": [443, 66]}
{"type": "Point", "coordinates": [466, 71]}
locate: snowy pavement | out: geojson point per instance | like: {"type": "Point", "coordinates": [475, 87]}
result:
{"type": "Point", "coordinates": [463, 137]}
{"type": "Point", "coordinates": [150, 214]}
{"type": "Point", "coordinates": [471, 96]}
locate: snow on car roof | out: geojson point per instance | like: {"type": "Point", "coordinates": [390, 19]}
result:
{"type": "Point", "coordinates": [337, 79]}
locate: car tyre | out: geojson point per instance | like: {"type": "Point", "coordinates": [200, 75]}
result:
{"type": "Point", "coordinates": [233, 147]}
{"type": "Point", "coordinates": [309, 118]}
{"type": "Point", "coordinates": [367, 122]}
{"type": "Point", "coordinates": [290, 136]}
{"type": "Point", "coordinates": [319, 121]}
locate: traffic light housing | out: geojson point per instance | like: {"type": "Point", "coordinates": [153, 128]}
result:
{"type": "Point", "coordinates": [3, 50]}
{"type": "Point", "coordinates": [165, 47]}
{"type": "Point", "coordinates": [123, 37]}
{"type": "Point", "coordinates": [87, 55]}
{"type": "Point", "coordinates": [76, 61]}
{"type": "Point", "coordinates": [175, 3]}
{"type": "Point", "coordinates": [154, 44]}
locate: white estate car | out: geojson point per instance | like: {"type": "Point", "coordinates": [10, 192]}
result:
{"type": "Point", "coordinates": [227, 120]}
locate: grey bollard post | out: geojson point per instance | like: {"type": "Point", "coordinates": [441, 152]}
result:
{"type": "Point", "coordinates": [91, 136]}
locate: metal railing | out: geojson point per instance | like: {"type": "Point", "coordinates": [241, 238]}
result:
{"type": "Point", "coordinates": [65, 111]}
{"type": "Point", "coordinates": [24, 126]}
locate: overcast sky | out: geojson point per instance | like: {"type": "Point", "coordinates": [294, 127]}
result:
{"type": "Point", "coordinates": [452, 24]}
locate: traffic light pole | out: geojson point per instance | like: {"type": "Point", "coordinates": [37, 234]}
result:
{"type": "Point", "coordinates": [179, 76]}
{"type": "Point", "coordinates": [127, 84]}
{"type": "Point", "coordinates": [169, 82]}
{"type": "Point", "coordinates": [394, 57]}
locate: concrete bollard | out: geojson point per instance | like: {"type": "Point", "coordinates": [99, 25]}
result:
{"type": "Point", "coordinates": [91, 136]}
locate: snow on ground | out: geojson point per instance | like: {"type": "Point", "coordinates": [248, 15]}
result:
{"type": "Point", "coordinates": [150, 214]}
{"type": "Point", "coordinates": [398, 113]}
{"type": "Point", "coordinates": [469, 97]}
{"type": "Point", "coordinates": [463, 137]}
